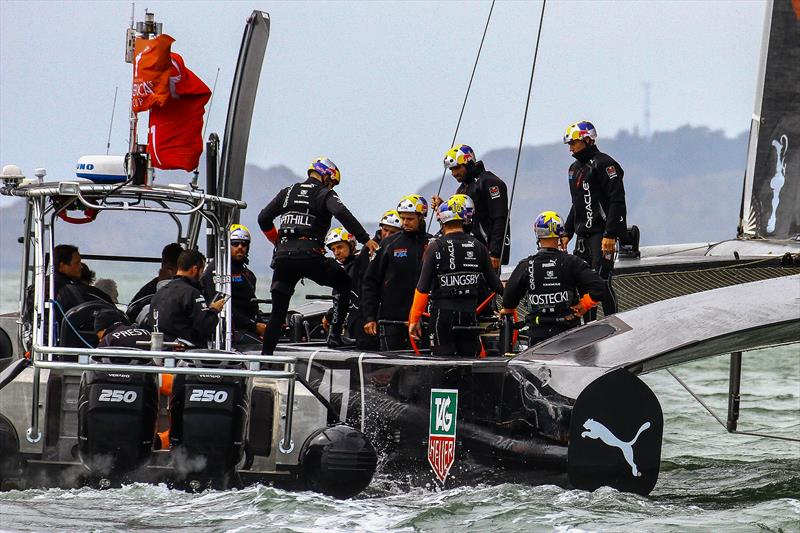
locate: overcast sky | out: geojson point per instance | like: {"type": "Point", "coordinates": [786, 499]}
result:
{"type": "Point", "coordinates": [378, 86]}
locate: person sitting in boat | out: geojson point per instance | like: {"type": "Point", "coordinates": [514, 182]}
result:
{"type": "Point", "coordinates": [343, 246]}
{"type": "Point", "coordinates": [455, 269]}
{"type": "Point", "coordinates": [489, 194]}
{"type": "Point", "coordinates": [559, 287]}
{"type": "Point", "coordinates": [392, 275]}
{"type": "Point", "coordinates": [113, 332]}
{"type": "Point", "coordinates": [169, 265]}
{"type": "Point", "coordinates": [179, 309]}
{"type": "Point", "coordinates": [389, 225]}
{"type": "Point", "coordinates": [597, 217]}
{"type": "Point", "coordinates": [70, 289]}
{"type": "Point", "coordinates": [248, 324]}
{"type": "Point", "coordinates": [306, 210]}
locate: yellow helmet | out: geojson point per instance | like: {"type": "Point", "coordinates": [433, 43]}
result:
{"type": "Point", "coordinates": [326, 168]}
{"type": "Point", "coordinates": [413, 203]}
{"type": "Point", "coordinates": [548, 225]}
{"type": "Point", "coordinates": [457, 207]}
{"type": "Point", "coordinates": [239, 232]}
{"type": "Point", "coordinates": [391, 218]}
{"type": "Point", "coordinates": [460, 154]}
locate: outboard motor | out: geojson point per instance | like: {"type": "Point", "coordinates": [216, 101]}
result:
{"type": "Point", "coordinates": [338, 461]}
{"type": "Point", "coordinates": [116, 420]}
{"type": "Point", "coordinates": [209, 416]}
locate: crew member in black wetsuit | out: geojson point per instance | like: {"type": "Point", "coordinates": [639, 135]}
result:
{"type": "Point", "coordinates": [343, 246]}
{"type": "Point", "coordinates": [248, 325]}
{"type": "Point", "coordinates": [488, 193]}
{"type": "Point", "coordinates": [392, 275]}
{"type": "Point", "coordinates": [179, 308]}
{"type": "Point", "coordinates": [169, 265]}
{"type": "Point", "coordinates": [559, 288]}
{"type": "Point", "coordinates": [455, 270]}
{"type": "Point", "coordinates": [598, 214]}
{"type": "Point", "coordinates": [306, 210]}
{"type": "Point", "coordinates": [113, 332]}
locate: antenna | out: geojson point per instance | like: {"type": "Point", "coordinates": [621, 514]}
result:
{"type": "Point", "coordinates": [646, 122]}
{"type": "Point", "coordinates": [205, 127]}
{"type": "Point", "coordinates": [111, 124]}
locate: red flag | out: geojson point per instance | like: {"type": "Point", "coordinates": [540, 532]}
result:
{"type": "Point", "coordinates": [151, 70]}
{"type": "Point", "coordinates": [175, 135]}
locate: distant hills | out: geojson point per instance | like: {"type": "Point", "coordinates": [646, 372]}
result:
{"type": "Point", "coordinates": [682, 186]}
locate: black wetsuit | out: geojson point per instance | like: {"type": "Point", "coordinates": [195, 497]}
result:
{"type": "Point", "coordinates": [456, 271]}
{"type": "Point", "coordinates": [489, 194]}
{"type": "Point", "coordinates": [183, 313]}
{"type": "Point", "coordinates": [551, 281]}
{"type": "Point", "coordinates": [356, 266]}
{"type": "Point", "coordinates": [598, 210]}
{"type": "Point", "coordinates": [388, 290]}
{"type": "Point", "coordinates": [244, 311]}
{"type": "Point", "coordinates": [306, 210]}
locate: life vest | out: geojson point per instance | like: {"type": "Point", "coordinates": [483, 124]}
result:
{"type": "Point", "coordinates": [549, 294]}
{"type": "Point", "coordinates": [298, 215]}
{"type": "Point", "coordinates": [459, 275]}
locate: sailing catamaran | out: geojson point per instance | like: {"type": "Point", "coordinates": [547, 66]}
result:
{"type": "Point", "coordinates": [570, 410]}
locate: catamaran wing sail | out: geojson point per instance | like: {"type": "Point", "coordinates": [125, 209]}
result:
{"type": "Point", "coordinates": [738, 318]}
{"type": "Point", "coordinates": [240, 106]}
{"type": "Point", "coordinates": [771, 194]}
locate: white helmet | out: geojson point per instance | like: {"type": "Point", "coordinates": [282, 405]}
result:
{"type": "Point", "coordinates": [391, 218]}
{"type": "Point", "coordinates": [239, 232]}
{"type": "Point", "coordinates": [339, 235]}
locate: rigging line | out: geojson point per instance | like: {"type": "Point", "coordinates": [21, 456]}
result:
{"type": "Point", "coordinates": [722, 422]}
{"type": "Point", "coordinates": [466, 96]}
{"type": "Point", "coordinates": [111, 124]}
{"type": "Point", "coordinates": [210, 104]}
{"type": "Point", "coordinates": [522, 133]}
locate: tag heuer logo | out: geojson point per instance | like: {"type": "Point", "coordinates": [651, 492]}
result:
{"type": "Point", "coordinates": [442, 435]}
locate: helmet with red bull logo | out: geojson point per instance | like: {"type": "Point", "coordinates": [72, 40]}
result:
{"type": "Point", "coordinates": [457, 207]}
{"type": "Point", "coordinates": [327, 169]}
{"type": "Point", "coordinates": [580, 131]}
{"type": "Point", "coordinates": [548, 225]}
{"type": "Point", "coordinates": [460, 154]}
{"type": "Point", "coordinates": [413, 203]}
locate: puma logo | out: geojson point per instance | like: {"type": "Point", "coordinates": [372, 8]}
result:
{"type": "Point", "coordinates": [596, 430]}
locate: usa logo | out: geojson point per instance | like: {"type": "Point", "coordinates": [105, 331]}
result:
{"type": "Point", "coordinates": [401, 252]}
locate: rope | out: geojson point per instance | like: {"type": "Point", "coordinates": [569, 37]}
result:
{"type": "Point", "coordinates": [466, 96]}
{"type": "Point", "coordinates": [522, 133]}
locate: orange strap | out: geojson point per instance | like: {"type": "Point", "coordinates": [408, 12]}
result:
{"type": "Point", "coordinates": [163, 437]}
{"type": "Point", "coordinates": [486, 302]}
{"type": "Point", "coordinates": [418, 307]}
{"type": "Point", "coordinates": [272, 235]}
{"type": "Point", "coordinates": [587, 303]}
{"type": "Point", "coordinates": [166, 384]}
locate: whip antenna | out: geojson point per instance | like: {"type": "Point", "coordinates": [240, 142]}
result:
{"type": "Point", "coordinates": [111, 124]}
{"type": "Point", "coordinates": [522, 133]}
{"type": "Point", "coordinates": [466, 96]}
{"type": "Point", "coordinates": [205, 126]}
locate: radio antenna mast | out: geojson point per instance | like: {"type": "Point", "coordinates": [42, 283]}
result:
{"type": "Point", "coordinates": [111, 124]}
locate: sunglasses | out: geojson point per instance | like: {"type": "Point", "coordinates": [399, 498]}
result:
{"type": "Point", "coordinates": [235, 244]}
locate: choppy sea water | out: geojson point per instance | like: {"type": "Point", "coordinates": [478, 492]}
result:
{"type": "Point", "coordinates": [710, 480]}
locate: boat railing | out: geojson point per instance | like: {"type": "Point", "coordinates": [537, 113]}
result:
{"type": "Point", "coordinates": [164, 362]}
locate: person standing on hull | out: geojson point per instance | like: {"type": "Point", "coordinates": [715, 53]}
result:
{"type": "Point", "coordinates": [306, 210]}
{"type": "Point", "coordinates": [343, 246]}
{"type": "Point", "coordinates": [559, 288]}
{"type": "Point", "coordinates": [455, 270]}
{"type": "Point", "coordinates": [490, 196]}
{"type": "Point", "coordinates": [392, 275]}
{"type": "Point", "coordinates": [247, 322]}
{"type": "Point", "coordinates": [598, 214]}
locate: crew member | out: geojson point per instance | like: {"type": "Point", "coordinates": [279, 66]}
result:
{"type": "Point", "coordinates": [559, 288]}
{"type": "Point", "coordinates": [169, 265]}
{"type": "Point", "coordinates": [306, 210]}
{"type": "Point", "coordinates": [70, 289]}
{"type": "Point", "coordinates": [389, 225]}
{"type": "Point", "coordinates": [343, 246]}
{"type": "Point", "coordinates": [488, 193]}
{"type": "Point", "coordinates": [455, 270]}
{"type": "Point", "coordinates": [179, 309]}
{"type": "Point", "coordinates": [112, 331]}
{"type": "Point", "coordinates": [392, 275]}
{"type": "Point", "coordinates": [245, 314]}
{"type": "Point", "coordinates": [597, 216]}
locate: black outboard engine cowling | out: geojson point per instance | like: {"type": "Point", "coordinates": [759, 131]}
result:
{"type": "Point", "coordinates": [117, 414]}
{"type": "Point", "coordinates": [209, 416]}
{"type": "Point", "coordinates": [338, 461]}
